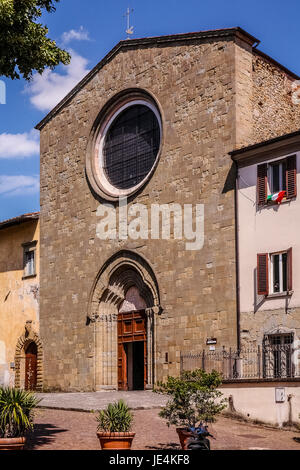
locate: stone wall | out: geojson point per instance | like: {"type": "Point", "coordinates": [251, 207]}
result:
{"type": "Point", "coordinates": [274, 113]}
{"type": "Point", "coordinates": [243, 94]}
{"type": "Point", "coordinates": [264, 322]}
{"type": "Point", "coordinates": [205, 100]}
{"type": "Point", "coordinates": [193, 85]}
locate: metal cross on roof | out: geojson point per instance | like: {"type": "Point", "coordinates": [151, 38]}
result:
{"type": "Point", "coordinates": [129, 29]}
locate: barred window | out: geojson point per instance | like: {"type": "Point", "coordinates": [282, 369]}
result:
{"type": "Point", "coordinates": [277, 356]}
{"type": "Point", "coordinates": [131, 146]}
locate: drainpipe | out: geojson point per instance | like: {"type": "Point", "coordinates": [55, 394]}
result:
{"type": "Point", "coordinates": [237, 259]}
{"type": "Point", "coordinates": [290, 419]}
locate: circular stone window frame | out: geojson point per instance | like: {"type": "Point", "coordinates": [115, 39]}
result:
{"type": "Point", "coordinates": [95, 156]}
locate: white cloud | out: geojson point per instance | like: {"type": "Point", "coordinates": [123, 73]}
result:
{"type": "Point", "coordinates": [78, 35]}
{"type": "Point", "coordinates": [50, 88]}
{"type": "Point", "coordinates": [19, 145]}
{"type": "Point", "coordinates": [19, 185]}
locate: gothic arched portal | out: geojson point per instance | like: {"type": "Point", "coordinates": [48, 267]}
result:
{"type": "Point", "coordinates": [125, 292]}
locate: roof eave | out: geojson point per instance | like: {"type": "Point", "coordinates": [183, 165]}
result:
{"type": "Point", "coordinates": [276, 63]}
{"type": "Point", "coordinates": [286, 143]}
{"type": "Point", "coordinates": [19, 220]}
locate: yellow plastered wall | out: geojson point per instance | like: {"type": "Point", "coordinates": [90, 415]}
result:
{"type": "Point", "coordinates": [19, 296]}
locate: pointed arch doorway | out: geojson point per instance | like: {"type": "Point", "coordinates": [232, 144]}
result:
{"type": "Point", "coordinates": [132, 342]}
{"type": "Point", "coordinates": [123, 306]}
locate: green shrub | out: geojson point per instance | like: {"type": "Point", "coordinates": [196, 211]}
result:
{"type": "Point", "coordinates": [115, 418]}
{"type": "Point", "coordinates": [16, 411]}
{"type": "Point", "coordinates": [194, 398]}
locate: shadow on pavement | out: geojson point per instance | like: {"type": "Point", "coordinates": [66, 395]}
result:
{"type": "Point", "coordinates": [41, 435]}
{"type": "Point", "coordinates": [160, 446]}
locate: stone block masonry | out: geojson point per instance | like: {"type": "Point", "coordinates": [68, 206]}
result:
{"type": "Point", "coordinates": [206, 90]}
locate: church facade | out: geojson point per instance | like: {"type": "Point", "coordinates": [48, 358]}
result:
{"type": "Point", "coordinates": [138, 233]}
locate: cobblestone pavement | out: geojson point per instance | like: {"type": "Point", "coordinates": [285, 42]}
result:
{"type": "Point", "coordinates": [136, 400]}
{"type": "Point", "coordinates": [73, 430]}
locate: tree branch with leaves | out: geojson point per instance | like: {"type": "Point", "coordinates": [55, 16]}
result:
{"type": "Point", "coordinates": [24, 45]}
{"type": "Point", "coordinates": [193, 398]}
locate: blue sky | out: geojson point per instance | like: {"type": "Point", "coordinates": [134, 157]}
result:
{"type": "Point", "coordinates": [90, 29]}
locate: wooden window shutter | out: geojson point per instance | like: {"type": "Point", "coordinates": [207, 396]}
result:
{"type": "Point", "coordinates": [291, 177]}
{"type": "Point", "coordinates": [290, 269]}
{"type": "Point", "coordinates": [262, 274]}
{"type": "Point", "coordinates": [262, 187]}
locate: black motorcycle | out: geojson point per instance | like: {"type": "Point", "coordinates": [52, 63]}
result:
{"type": "Point", "coordinates": [199, 439]}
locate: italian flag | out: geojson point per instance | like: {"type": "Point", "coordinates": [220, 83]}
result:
{"type": "Point", "coordinates": [277, 197]}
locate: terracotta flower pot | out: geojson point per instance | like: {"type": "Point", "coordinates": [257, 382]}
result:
{"type": "Point", "coordinates": [12, 443]}
{"type": "Point", "coordinates": [115, 440]}
{"type": "Point", "coordinates": [184, 435]}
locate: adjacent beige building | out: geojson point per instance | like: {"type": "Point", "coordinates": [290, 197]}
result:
{"type": "Point", "coordinates": [154, 122]}
{"type": "Point", "coordinates": [269, 251]}
{"type": "Point", "coordinates": [20, 345]}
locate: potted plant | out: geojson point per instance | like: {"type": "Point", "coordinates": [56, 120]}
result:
{"type": "Point", "coordinates": [194, 400]}
{"type": "Point", "coordinates": [114, 425]}
{"type": "Point", "coordinates": [16, 417]}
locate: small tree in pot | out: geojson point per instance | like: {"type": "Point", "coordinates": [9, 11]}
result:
{"type": "Point", "coordinates": [114, 425]}
{"type": "Point", "coordinates": [16, 417]}
{"type": "Point", "coordinates": [194, 400]}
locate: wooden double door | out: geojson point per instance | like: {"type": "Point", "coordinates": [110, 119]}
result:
{"type": "Point", "coordinates": [132, 350]}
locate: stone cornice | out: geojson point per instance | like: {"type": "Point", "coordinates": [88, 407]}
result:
{"type": "Point", "coordinates": [267, 150]}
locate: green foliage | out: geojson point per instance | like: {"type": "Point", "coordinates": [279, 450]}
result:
{"type": "Point", "coordinates": [194, 398]}
{"type": "Point", "coordinates": [115, 418]}
{"type": "Point", "coordinates": [24, 45]}
{"type": "Point", "coordinates": [16, 408]}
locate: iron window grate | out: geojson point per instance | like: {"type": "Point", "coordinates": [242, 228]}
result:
{"type": "Point", "coordinates": [131, 146]}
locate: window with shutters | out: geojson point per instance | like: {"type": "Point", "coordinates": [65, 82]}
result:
{"type": "Point", "coordinates": [262, 184]}
{"type": "Point", "coordinates": [277, 178]}
{"type": "Point", "coordinates": [263, 274]}
{"type": "Point", "coordinates": [277, 181]}
{"type": "Point", "coordinates": [274, 273]}
{"type": "Point", "coordinates": [29, 259]}
{"type": "Point", "coordinates": [278, 272]}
